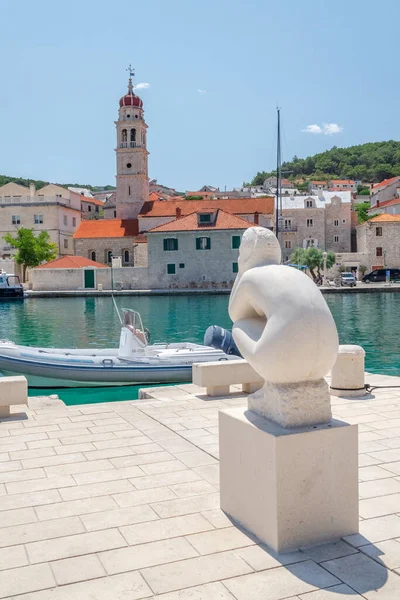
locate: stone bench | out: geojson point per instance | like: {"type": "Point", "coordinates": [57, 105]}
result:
{"type": "Point", "coordinates": [13, 390]}
{"type": "Point", "coordinates": [217, 377]}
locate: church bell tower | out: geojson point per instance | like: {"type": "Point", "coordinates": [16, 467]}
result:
{"type": "Point", "coordinates": [132, 170]}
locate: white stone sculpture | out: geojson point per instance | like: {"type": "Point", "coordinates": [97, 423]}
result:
{"type": "Point", "coordinates": [285, 330]}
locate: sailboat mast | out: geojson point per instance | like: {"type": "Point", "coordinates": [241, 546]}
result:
{"type": "Point", "coordinates": [278, 208]}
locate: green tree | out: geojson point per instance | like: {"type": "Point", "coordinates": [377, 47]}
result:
{"type": "Point", "coordinates": [313, 258]}
{"type": "Point", "coordinates": [33, 249]}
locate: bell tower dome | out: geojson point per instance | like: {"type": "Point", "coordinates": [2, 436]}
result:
{"type": "Point", "coordinates": [132, 170]}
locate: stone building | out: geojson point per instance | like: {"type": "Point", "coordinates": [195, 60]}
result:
{"type": "Point", "coordinates": [321, 221]}
{"type": "Point", "coordinates": [92, 208]}
{"type": "Point", "coordinates": [103, 239]}
{"type": "Point", "coordinates": [343, 185]}
{"type": "Point", "coordinates": [199, 250]}
{"type": "Point", "coordinates": [52, 208]}
{"type": "Point", "coordinates": [379, 238]}
{"type": "Point", "coordinates": [385, 190]}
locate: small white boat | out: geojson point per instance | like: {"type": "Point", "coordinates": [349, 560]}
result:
{"type": "Point", "coordinates": [134, 362]}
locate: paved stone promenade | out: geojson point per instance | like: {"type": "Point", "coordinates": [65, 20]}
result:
{"type": "Point", "coordinates": [120, 501]}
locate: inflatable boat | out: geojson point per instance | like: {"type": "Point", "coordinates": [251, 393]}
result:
{"type": "Point", "coordinates": [135, 361]}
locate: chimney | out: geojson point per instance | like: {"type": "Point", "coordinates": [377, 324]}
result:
{"type": "Point", "coordinates": [178, 212]}
{"type": "Point", "coordinates": [256, 218]}
{"type": "Point", "coordinates": [31, 190]}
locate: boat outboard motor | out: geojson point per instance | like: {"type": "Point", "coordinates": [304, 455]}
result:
{"type": "Point", "coordinates": [221, 339]}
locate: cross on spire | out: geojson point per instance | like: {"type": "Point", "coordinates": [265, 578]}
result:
{"type": "Point", "coordinates": [131, 72]}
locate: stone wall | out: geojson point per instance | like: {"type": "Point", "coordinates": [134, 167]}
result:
{"type": "Point", "coordinates": [371, 243]}
{"type": "Point", "coordinates": [101, 246]}
{"type": "Point", "coordinates": [200, 268]}
{"type": "Point", "coordinates": [126, 278]}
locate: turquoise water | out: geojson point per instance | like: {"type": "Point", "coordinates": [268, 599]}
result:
{"type": "Point", "coordinates": [371, 320]}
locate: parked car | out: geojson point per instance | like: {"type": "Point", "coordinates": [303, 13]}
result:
{"type": "Point", "coordinates": [348, 279]}
{"type": "Point", "coordinates": [379, 275]}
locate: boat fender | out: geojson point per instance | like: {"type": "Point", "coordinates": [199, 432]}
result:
{"type": "Point", "coordinates": [107, 362]}
{"type": "Point", "coordinates": [221, 339]}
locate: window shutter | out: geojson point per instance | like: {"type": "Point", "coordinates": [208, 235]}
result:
{"type": "Point", "coordinates": [197, 243]}
{"type": "Point", "coordinates": [165, 245]}
{"type": "Point", "coordinates": [208, 246]}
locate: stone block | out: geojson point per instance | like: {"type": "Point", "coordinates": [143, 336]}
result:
{"type": "Point", "coordinates": [348, 372]}
{"type": "Point", "coordinates": [218, 376]}
{"type": "Point", "coordinates": [13, 390]}
{"type": "Point", "coordinates": [289, 487]}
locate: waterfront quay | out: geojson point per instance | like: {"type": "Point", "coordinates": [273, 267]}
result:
{"type": "Point", "coordinates": [121, 500]}
{"type": "Point", "coordinates": [360, 288]}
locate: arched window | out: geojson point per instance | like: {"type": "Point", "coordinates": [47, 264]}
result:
{"type": "Point", "coordinates": [93, 255]}
{"type": "Point", "coordinates": [126, 256]}
{"type": "Point", "coordinates": [133, 135]}
{"type": "Point", "coordinates": [124, 135]}
{"type": "Point", "coordinates": [108, 256]}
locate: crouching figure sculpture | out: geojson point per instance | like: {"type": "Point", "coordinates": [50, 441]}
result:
{"type": "Point", "coordinates": [285, 330]}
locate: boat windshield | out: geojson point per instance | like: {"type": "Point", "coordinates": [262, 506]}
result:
{"type": "Point", "coordinates": [133, 321]}
{"type": "Point", "coordinates": [13, 281]}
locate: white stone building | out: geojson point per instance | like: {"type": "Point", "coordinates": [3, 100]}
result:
{"type": "Point", "coordinates": [321, 221]}
{"type": "Point", "coordinates": [385, 190]}
{"type": "Point", "coordinates": [199, 250]}
{"type": "Point", "coordinates": [379, 239]}
{"type": "Point", "coordinates": [52, 208]}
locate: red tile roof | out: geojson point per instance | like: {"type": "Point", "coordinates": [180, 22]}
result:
{"type": "Point", "coordinates": [236, 206]}
{"type": "Point", "coordinates": [190, 222]}
{"type": "Point", "coordinates": [384, 183]}
{"type": "Point", "coordinates": [318, 182]}
{"type": "Point", "coordinates": [383, 203]}
{"type": "Point", "coordinates": [71, 262]}
{"type": "Point", "coordinates": [108, 228]}
{"type": "Point", "coordinates": [343, 181]}
{"type": "Point", "coordinates": [385, 218]}
{"type": "Point", "coordinates": [92, 201]}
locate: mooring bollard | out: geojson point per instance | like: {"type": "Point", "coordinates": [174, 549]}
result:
{"type": "Point", "coordinates": [348, 372]}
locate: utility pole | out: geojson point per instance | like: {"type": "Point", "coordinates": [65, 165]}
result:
{"type": "Point", "coordinates": [278, 208]}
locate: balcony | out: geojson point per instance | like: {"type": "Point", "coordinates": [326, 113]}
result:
{"type": "Point", "coordinates": [288, 229]}
{"type": "Point", "coordinates": [131, 145]}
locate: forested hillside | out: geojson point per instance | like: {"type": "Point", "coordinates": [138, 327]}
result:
{"type": "Point", "coordinates": [371, 163]}
{"type": "Point", "coordinates": [39, 184]}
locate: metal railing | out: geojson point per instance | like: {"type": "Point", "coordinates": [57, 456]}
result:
{"type": "Point", "coordinates": [288, 228]}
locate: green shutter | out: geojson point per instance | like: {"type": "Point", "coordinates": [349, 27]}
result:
{"type": "Point", "coordinates": [198, 244]}
{"type": "Point", "coordinates": [235, 267]}
{"type": "Point", "coordinates": [208, 246]}
{"type": "Point", "coordinates": [165, 245]}
{"type": "Point", "coordinates": [175, 244]}
{"type": "Point", "coordinates": [236, 241]}
{"type": "Point", "coordinates": [171, 269]}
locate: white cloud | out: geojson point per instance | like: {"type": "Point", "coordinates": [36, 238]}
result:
{"type": "Point", "coordinates": [330, 128]}
{"type": "Point", "coordinates": [142, 86]}
{"type": "Point", "coordinates": [326, 129]}
{"type": "Point", "coordinates": [312, 129]}
{"type": "Point", "coordinates": [201, 91]}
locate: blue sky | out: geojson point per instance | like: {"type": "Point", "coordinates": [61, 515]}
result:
{"type": "Point", "coordinates": [330, 64]}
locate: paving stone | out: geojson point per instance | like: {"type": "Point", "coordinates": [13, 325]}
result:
{"type": "Point", "coordinates": [329, 551]}
{"type": "Point", "coordinates": [383, 505]}
{"type": "Point", "coordinates": [220, 540]}
{"type": "Point", "coordinates": [163, 467]}
{"type": "Point", "coordinates": [118, 517]}
{"type": "Point", "coordinates": [111, 474]}
{"type": "Point", "coordinates": [365, 576]}
{"type": "Point", "coordinates": [25, 579]}
{"type": "Point", "coordinates": [196, 458]}
{"type": "Point", "coordinates": [261, 558]}
{"type": "Point", "coordinates": [22, 475]}
{"type": "Point", "coordinates": [94, 454]}
{"type": "Point", "coordinates": [141, 459]}
{"type": "Point", "coordinates": [331, 593]}
{"type": "Point", "coordinates": [194, 488]}
{"type": "Point", "coordinates": [374, 472]}
{"type": "Point", "coordinates": [11, 557]}
{"type": "Point", "coordinates": [386, 553]}
{"type": "Point", "coordinates": [74, 545]}
{"type": "Point", "coordinates": [43, 530]}
{"type": "Point", "coordinates": [76, 468]}
{"type": "Point", "coordinates": [165, 528]}
{"type": "Point", "coordinates": [75, 507]}
{"type": "Point", "coordinates": [39, 485]}
{"type": "Point", "coordinates": [375, 530]}
{"type": "Point", "coordinates": [209, 472]}
{"type": "Point", "coordinates": [281, 582]}
{"type": "Point", "coordinates": [128, 586]}
{"type": "Point", "coordinates": [217, 518]}
{"type": "Point", "coordinates": [195, 571]}
{"type": "Point", "coordinates": [209, 591]}
{"type": "Point", "coordinates": [72, 570]}
{"type": "Point", "coordinates": [146, 555]}
{"type": "Point", "coordinates": [36, 453]}
{"type": "Point", "coordinates": [83, 447]}
{"type": "Point", "coordinates": [185, 506]}
{"type": "Point", "coordinates": [134, 498]}
{"type": "Point", "coordinates": [95, 489]}
{"type": "Point", "coordinates": [379, 487]}
{"type": "Point", "coordinates": [19, 516]}
{"type": "Point", "coordinates": [153, 481]}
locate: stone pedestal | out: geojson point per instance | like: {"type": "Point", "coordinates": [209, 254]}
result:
{"type": "Point", "coordinates": [347, 376]}
{"type": "Point", "coordinates": [289, 487]}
